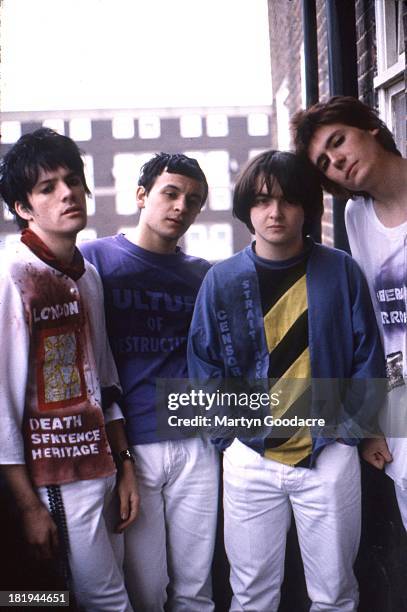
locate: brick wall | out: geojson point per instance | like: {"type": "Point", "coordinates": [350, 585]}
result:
{"type": "Point", "coordinates": [286, 38]}
{"type": "Point", "coordinates": [366, 50]}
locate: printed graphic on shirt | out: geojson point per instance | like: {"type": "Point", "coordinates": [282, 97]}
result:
{"type": "Point", "coordinates": [286, 327]}
{"type": "Point", "coordinates": [60, 381]}
{"type": "Point", "coordinates": [394, 370]}
{"type": "Point", "coordinates": [391, 295]}
{"type": "Point", "coordinates": [63, 436]}
{"type": "Point", "coordinates": [63, 426]}
{"type": "Point", "coordinates": [162, 315]}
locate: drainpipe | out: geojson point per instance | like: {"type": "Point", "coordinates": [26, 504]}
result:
{"type": "Point", "coordinates": [309, 24]}
{"type": "Point", "coordinates": [342, 61]}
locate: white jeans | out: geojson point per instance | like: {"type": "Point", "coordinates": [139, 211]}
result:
{"type": "Point", "coordinates": [170, 545]}
{"type": "Point", "coordinates": [401, 495]}
{"type": "Point", "coordinates": [258, 497]}
{"type": "Point", "coordinates": [91, 511]}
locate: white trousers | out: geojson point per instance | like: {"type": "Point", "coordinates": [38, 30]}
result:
{"type": "Point", "coordinates": [91, 511]}
{"type": "Point", "coordinates": [169, 548]}
{"type": "Point", "coordinates": [401, 495]}
{"type": "Point", "coordinates": [258, 497]}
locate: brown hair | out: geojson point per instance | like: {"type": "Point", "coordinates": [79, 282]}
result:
{"type": "Point", "coordinates": [339, 109]}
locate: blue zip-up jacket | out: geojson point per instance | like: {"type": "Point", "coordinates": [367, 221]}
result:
{"type": "Point", "coordinates": [227, 340]}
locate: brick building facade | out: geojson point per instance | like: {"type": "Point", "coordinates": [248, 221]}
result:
{"type": "Point", "coordinates": [117, 142]}
{"type": "Point", "coordinates": [360, 51]}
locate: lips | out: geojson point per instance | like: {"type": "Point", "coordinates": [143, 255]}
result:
{"type": "Point", "coordinates": [350, 169]}
{"type": "Point", "coordinates": [176, 221]}
{"type": "Point", "coordinates": [73, 209]}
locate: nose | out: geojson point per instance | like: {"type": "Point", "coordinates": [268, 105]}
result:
{"type": "Point", "coordinates": [180, 203]}
{"type": "Point", "coordinates": [275, 209]}
{"type": "Point", "coordinates": [337, 159]}
{"type": "Point", "coordinates": [65, 190]}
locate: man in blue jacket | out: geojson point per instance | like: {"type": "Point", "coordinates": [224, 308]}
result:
{"type": "Point", "coordinates": [293, 311]}
{"type": "Point", "coordinates": [150, 289]}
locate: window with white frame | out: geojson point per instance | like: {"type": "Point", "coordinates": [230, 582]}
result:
{"type": "Point", "coordinates": [10, 131]}
{"type": "Point", "coordinates": [149, 126]}
{"type": "Point", "coordinates": [80, 128]}
{"type": "Point", "coordinates": [126, 170]}
{"type": "Point", "coordinates": [86, 234]}
{"type": "Point", "coordinates": [123, 126]}
{"type": "Point", "coordinates": [216, 167]}
{"type": "Point", "coordinates": [213, 241]}
{"type": "Point", "coordinates": [257, 124]}
{"type": "Point", "coordinates": [90, 181]}
{"type": "Point", "coordinates": [389, 81]}
{"type": "Point", "coordinates": [130, 231]}
{"type": "Point", "coordinates": [254, 152]}
{"type": "Point", "coordinates": [283, 117]}
{"type": "Point", "coordinates": [190, 126]}
{"type": "Point", "coordinates": [220, 241]}
{"type": "Point", "coordinates": [58, 125]}
{"type": "Point", "coordinates": [217, 125]}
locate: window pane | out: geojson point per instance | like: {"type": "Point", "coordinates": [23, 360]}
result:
{"type": "Point", "coordinates": [86, 234]}
{"type": "Point", "coordinates": [126, 170]}
{"type": "Point", "coordinates": [220, 198]}
{"type": "Point", "coordinates": [90, 180]}
{"type": "Point", "coordinates": [196, 240]}
{"type": "Point", "coordinates": [398, 106]}
{"type": "Point", "coordinates": [10, 131]}
{"type": "Point", "coordinates": [123, 126]}
{"type": "Point", "coordinates": [130, 231]}
{"type": "Point", "coordinates": [57, 125]}
{"type": "Point", "coordinates": [216, 166]}
{"type": "Point", "coordinates": [149, 127]}
{"type": "Point", "coordinates": [217, 125]}
{"type": "Point", "coordinates": [221, 241]}
{"type": "Point", "coordinates": [257, 124]}
{"type": "Point", "coordinates": [191, 126]}
{"type": "Point", "coordinates": [80, 129]}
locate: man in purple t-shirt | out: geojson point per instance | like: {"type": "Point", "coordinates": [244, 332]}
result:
{"type": "Point", "coordinates": [150, 289]}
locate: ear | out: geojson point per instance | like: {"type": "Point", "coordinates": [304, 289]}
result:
{"type": "Point", "coordinates": [23, 212]}
{"type": "Point", "coordinates": [375, 131]}
{"type": "Point", "coordinates": [141, 195]}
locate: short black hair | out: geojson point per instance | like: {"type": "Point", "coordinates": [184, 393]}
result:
{"type": "Point", "coordinates": [43, 149]}
{"type": "Point", "coordinates": [297, 178]}
{"type": "Point", "coordinates": [175, 163]}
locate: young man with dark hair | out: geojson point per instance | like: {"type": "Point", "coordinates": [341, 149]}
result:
{"type": "Point", "coordinates": [293, 311]}
{"type": "Point", "coordinates": [357, 156]}
{"type": "Point", "coordinates": [58, 381]}
{"type": "Point", "coordinates": [150, 289]}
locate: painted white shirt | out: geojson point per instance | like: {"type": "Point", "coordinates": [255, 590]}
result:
{"type": "Point", "coordinates": [381, 252]}
{"type": "Point", "coordinates": [54, 361]}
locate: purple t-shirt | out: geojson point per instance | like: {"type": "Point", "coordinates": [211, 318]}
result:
{"type": "Point", "coordinates": [149, 300]}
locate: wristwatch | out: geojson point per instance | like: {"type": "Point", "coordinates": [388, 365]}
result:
{"type": "Point", "coordinates": [125, 455]}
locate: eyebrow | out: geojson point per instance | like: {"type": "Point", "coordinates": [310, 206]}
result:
{"type": "Point", "coordinates": [54, 178]}
{"type": "Point", "coordinates": [194, 194]}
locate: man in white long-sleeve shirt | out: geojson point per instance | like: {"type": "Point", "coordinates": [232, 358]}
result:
{"type": "Point", "coordinates": [58, 382]}
{"type": "Point", "coordinates": [357, 156]}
